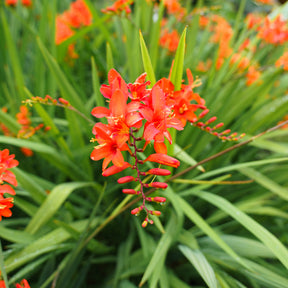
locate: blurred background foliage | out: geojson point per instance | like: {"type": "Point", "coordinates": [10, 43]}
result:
{"type": "Point", "coordinates": [225, 223]}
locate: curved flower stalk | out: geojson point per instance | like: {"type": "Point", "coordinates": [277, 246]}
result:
{"type": "Point", "coordinates": [138, 116]}
{"type": "Point", "coordinates": [6, 162]}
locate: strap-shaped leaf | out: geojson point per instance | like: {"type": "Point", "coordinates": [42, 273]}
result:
{"type": "Point", "coordinates": [147, 61]}
{"type": "Point", "coordinates": [177, 69]}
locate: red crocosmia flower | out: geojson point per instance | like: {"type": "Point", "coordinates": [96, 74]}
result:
{"type": "Point", "coordinates": [79, 14]}
{"type": "Point", "coordinates": [7, 161]}
{"type": "Point", "coordinates": [2, 284]}
{"type": "Point", "coordinates": [138, 90]}
{"type": "Point", "coordinates": [118, 7]}
{"type": "Point", "coordinates": [109, 148]}
{"type": "Point", "coordinates": [63, 31]}
{"type": "Point", "coordinates": [252, 75]}
{"type": "Point", "coordinates": [115, 82]}
{"type": "Point", "coordinates": [170, 40]}
{"type": "Point", "coordinates": [5, 205]}
{"type": "Point", "coordinates": [23, 284]}
{"type": "Point", "coordinates": [11, 2]}
{"type": "Point", "coordinates": [159, 118]}
{"type": "Point", "coordinates": [26, 3]}
{"type": "Point", "coordinates": [253, 21]}
{"type": "Point", "coordinates": [274, 31]}
{"type": "Point", "coordinates": [283, 61]}
{"type": "Point", "coordinates": [175, 8]}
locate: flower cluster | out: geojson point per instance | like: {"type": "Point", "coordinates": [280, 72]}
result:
{"type": "Point", "coordinates": [138, 116]}
{"type": "Point", "coordinates": [6, 162]}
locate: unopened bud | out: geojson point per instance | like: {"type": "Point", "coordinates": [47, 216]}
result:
{"type": "Point", "coordinates": [225, 132]}
{"type": "Point", "coordinates": [156, 213]}
{"type": "Point", "coordinates": [159, 172]}
{"type": "Point", "coordinates": [212, 119]}
{"type": "Point", "coordinates": [63, 101]}
{"type": "Point", "coordinates": [163, 159]}
{"type": "Point", "coordinates": [202, 114]}
{"type": "Point", "coordinates": [130, 191]}
{"type": "Point", "coordinates": [126, 179]}
{"type": "Point", "coordinates": [144, 223]}
{"type": "Point", "coordinates": [157, 199]}
{"type": "Point", "coordinates": [219, 125]}
{"type": "Point", "coordinates": [158, 185]}
{"type": "Point", "coordinates": [136, 210]}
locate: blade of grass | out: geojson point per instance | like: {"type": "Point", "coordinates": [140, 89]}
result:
{"type": "Point", "coordinates": [147, 61]}
{"type": "Point", "coordinates": [200, 263]}
{"type": "Point", "coordinates": [52, 203]}
{"type": "Point", "coordinates": [250, 224]}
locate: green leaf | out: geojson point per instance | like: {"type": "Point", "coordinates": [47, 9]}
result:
{"type": "Point", "coordinates": [109, 57]}
{"type": "Point", "coordinates": [50, 154]}
{"type": "Point", "coordinates": [147, 61]}
{"type": "Point", "coordinates": [52, 203]}
{"type": "Point", "coordinates": [266, 182]}
{"type": "Point", "coordinates": [255, 228]}
{"type": "Point", "coordinates": [46, 244]}
{"type": "Point", "coordinates": [242, 165]}
{"type": "Point", "coordinates": [96, 84]}
{"type": "Point", "coordinates": [67, 91]}
{"type": "Point", "coordinates": [14, 56]}
{"type": "Point", "coordinates": [177, 70]}
{"type": "Point", "coordinates": [159, 255]}
{"type": "Point", "coordinates": [200, 263]}
{"type": "Point", "coordinates": [207, 229]}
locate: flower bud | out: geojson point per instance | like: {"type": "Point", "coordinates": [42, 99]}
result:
{"type": "Point", "coordinates": [212, 119]}
{"type": "Point", "coordinates": [163, 159]}
{"type": "Point", "coordinates": [136, 210]}
{"type": "Point", "coordinates": [126, 179]}
{"type": "Point", "coordinates": [159, 199]}
{"type": "Point", "coordinates": [202, 114]}
{"type": "Point", "coordinates": [159, 172]}
{"type": "Point", "coordinates": [156, 213]}
{"type": "Point", "coordinates": [130, 191]}
{"type": "Point", "coordinates": [158, 185]}
{"type": "Point", "coordinates": [218, 125]}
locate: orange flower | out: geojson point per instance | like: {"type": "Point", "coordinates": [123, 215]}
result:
{"type": "Point", "coordinates": [26, 3]}
{"type": "Point", "coordinates": [204, 67]}
{"type": "Point", "coordinates": [252, 75]}
{"type": "Point", "coordinates": [118, 7]}
{"type": "Point", "coordinates": [78, 15]}
{"type": "Point", "coordinates": [283, 61]}
{"type": "Point", "coordinates": [170, 40]}
{"type": "Point", "coordinates": [175, 8]}
{"type": "Point", "coordinates": [265, 2]}
{"type": "Point", "coordinates": [274, 31]}
{"type": "Point", "coordinates": [12, 3]}
{"type": "Point", "coordinates": [241, 61]}
{"type": "Point", "coordinates": [23, 284]}
{"type": "Point", "coordinates": [253, 21]}
{"type": "Point", "coordinates": [63, 31]}
{"type": "Point", "coordinates": [6, 162]}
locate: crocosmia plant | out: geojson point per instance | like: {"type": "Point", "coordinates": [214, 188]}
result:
{"type": "Point", "coordinates": [173, 111]}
